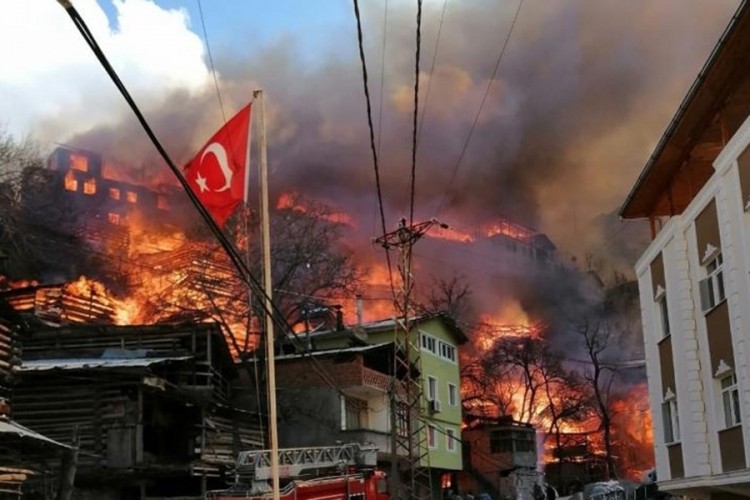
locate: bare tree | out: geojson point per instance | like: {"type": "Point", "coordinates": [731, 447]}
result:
{"type": "Point", "coordinates": [448, 295]}
{"type": "Point", "coordinates": [568, 399]}
{"type": "Point", "coordinates": [595, 331]}
{"type": "Point", "coordinates": [32, 213]}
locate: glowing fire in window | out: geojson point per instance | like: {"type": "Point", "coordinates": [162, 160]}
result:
{"type": "Point", "coordinates": [114, 193]}
{"type": "Point", "coordinates": [89, 187]}
{"type": "Point", "coordinates": [162, 203]}
{"type": "Point", "coordinates": [71, 183]}
{"type": "Point", "coordinates": [508, 229]}
{"type": "Point", "coordinates": [79, 162]}
{"type": "Point", "coordinates": [113, 218]}
{"type": "Point", "coordinates": [132, 196]}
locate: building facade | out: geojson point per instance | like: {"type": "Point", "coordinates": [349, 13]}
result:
{"type": "Point", "coordinates": [351, 355]}
{"type": "Point", "coordinates": [694, 279]}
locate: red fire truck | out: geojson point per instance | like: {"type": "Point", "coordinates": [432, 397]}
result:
{"type": "Point", "coordinates": [345, 472]}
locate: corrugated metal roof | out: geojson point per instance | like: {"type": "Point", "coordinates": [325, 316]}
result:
{"type": "Point", "coordinates": [330, 352]}
{"type": "Point", "coordinates": [8, 426]}
{"type": "Point", "coordinates": [91, 363]}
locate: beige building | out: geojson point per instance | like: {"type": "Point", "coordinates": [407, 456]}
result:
{"type": "Point", "coordinates": [694, 278]}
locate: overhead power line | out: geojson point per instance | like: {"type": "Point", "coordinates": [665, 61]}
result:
{"type": "Point", "coordinates": [376, 168]}
{"type": "Point", "coordinates": [416, 113]}
{"type": "Point", "coordinates": [211, 61]}
{"type": "Point", "coordinates": [432, 71]}
{"type": "Point", "coordinates": [481, 105]}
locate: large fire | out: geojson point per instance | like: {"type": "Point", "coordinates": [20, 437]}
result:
{"type": "Point", "coordinates": [522, 387]}
{"type": "Point", "coordinates": [173, 277]}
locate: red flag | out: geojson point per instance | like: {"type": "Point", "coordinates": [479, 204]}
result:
{"type": "Point", "coordinates": [217, 172]}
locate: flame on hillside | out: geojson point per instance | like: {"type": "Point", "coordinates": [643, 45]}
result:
{"type": "Point", "coordinates": [291, 201]}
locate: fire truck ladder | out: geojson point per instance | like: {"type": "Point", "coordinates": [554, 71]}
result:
{"type": "Point", "coordinates": [254, 466]}
{"type": "Point", "coordinates": [410, 432]}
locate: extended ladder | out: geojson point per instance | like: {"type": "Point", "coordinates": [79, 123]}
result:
{"type": "Point", "coordinates": [256, 465]}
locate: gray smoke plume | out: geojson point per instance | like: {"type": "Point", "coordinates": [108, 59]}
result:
{"type": "Point", "coordinates": [582, 95]}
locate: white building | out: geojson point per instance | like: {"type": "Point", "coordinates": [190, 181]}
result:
{"type": "Point", "coordinates": [694, 279]}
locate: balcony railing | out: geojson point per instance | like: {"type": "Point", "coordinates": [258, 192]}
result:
{"type": "Point", "coordinates": [375, 379]}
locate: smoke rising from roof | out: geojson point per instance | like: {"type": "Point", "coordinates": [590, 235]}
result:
{"type": "Point", "coordinates": [582, 94]}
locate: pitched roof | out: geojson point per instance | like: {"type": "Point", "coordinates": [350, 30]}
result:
{"type": "Point", "coordinates": [391, 323]}
{"type": "Point", "coordinates": [682, 161]}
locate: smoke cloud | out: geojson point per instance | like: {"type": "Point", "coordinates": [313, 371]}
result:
{"type": "Point", "coordinates": [582, 94]}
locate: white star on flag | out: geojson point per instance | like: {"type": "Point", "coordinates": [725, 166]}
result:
{"type": "Point", "coordinates": [201, 181]}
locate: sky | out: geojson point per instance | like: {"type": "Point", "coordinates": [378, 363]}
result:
{"type": "Point", "coordinates": [583, 92]}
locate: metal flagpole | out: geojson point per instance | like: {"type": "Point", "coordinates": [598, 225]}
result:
{"type": "Point", "coordinates": [268, 288]}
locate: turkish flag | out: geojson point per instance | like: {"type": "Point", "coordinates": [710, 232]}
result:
{"type": "Point", "coordinates": [217, 172]}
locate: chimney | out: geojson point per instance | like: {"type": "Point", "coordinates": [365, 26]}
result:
{"type": "Point", "coordinates": [359, 309]}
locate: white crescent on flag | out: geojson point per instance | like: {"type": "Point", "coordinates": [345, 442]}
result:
{"type": "Point", "coordinates": [221, 157]}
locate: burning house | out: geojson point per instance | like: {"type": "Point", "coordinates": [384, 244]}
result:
{"type": "Point", "coordinates": [153, 409]}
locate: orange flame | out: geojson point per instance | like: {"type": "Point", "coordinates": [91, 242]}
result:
{"type": "Point", "coordinates": [290, 201]}
{"type": "Point", "coordinates": [509, 229]}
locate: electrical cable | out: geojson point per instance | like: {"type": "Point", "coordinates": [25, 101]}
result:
{"type": "Point", "coordinates": [416, 115]}
{"type": "Point", "coordinates": [372, 141]}
{"type": "Point", "coordinates": [481, 105]}
{"type": "Point", "coordinates": [432, 70]}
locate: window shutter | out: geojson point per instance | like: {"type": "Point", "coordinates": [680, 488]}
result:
{"type": "Point", "coordinates": [703, 287]}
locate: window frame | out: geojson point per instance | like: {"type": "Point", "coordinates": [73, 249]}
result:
{"type": "Point", "coordinates": [351, 406]}
{"type": "Point", "coordinates": [431, 437]}
{"type": "Point", "coordinates": [450, 440]}
{"type": "Point", "coordinates": [452, 395]}
{"type": "Point", "coordinates": [433, 393]}
{"type": "Point", "coordinates": [662, 308]}
{"type": "Point", "coordinates": [670, 415]}
{"type": "Point", "coordinates": [712, 288]}
{"type": "Point", "coordinates": [730, 400]}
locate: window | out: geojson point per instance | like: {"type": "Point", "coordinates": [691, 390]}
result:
{"type": "Point", "coordinates": [354, 413]}
{"type": "Point", "coordinates": [664, 315]}
{"type": "Point", "coordinates": [114, 193]}
{"type": "Point", "coordinates": [431, 441]}
{"type": "Point", "coordinates": [447, 351]}
{"type": "Point", "coordinates": [113, 218]}
{"type": "Point", "coordinates": [524, 441]}
{"type": "Point", "coordinates": [510, 441]}
{"type": "Point", "coordinates": [71, 183]}
{"type": "Point", "coordinates": [452, 395]}
{"type": "Point", "coordinates": [429, 343]}
{"type": "Point", "coordinates": [500, 442]}
{"type": "Point", "coordinates": [79, 162]}
{"type": "Point", "coordinates": [132, 196]}
{"type": "Point", "coordinates": [89, 186]}
{"type": "Point", "coordinates": [730, 397]}
{"type": "Point", "coordinates": [432, 389]}
{"type": "Point", "coordinates": [712, 287]}
{"type": "Point", "coordinates": [450, 439]}
{"type": "Point", "coordinates": [671, 421]}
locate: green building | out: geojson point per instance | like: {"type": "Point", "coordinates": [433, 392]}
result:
{"type": "Point", "coordinates": [439, 366]}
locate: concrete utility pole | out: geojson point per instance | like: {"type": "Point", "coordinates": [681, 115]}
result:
{"type": "Point", "coordinates": [408, 429]}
